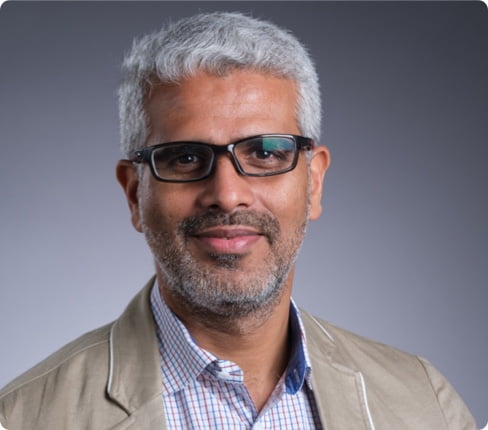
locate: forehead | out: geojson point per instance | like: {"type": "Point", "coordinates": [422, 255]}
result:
{"type": "Point", "coordinates": [241, 103]}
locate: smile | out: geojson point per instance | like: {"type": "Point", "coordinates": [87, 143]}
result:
{"type": "Point", "coordinates": [228, 240]}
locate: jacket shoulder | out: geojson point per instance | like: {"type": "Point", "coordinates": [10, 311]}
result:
{"type": "Point", "coordinates": [375, 360]}
{"type": "Point", "coordinates": [92, 343]}
{"type": "Point", "coordinates": [108, 377]}
{"type": "Point", "coordinates": [416, 393]}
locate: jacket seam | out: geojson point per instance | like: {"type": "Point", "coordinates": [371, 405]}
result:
{"type": "Point", "coordinates": [422, 363]}
{"type": "Point", "coordinates": [111, 359]}
{"type": "Point", "coordinates": [365, 405]}
{"type": "Point", "coordinates": [322, 328]}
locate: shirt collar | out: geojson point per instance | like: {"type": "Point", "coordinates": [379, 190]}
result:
{"type": "Point", "coordinates": [299, 367]}
{"type": "Point", "coordinates": [182, 360]}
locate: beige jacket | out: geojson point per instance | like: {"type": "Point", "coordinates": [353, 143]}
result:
{"type": "Point", "coordinates": [110, 378]}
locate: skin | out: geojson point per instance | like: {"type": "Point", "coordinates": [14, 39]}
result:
{"type": "Point", "coordinates": [221, 110]}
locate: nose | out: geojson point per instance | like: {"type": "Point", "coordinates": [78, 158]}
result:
{"type": "Point", "coordinates": [226, 189]}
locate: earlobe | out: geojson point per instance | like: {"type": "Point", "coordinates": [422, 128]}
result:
{"type": "Point", "coordinates": [318, 166]}
{"type": "Point", "coordinates": [128, 178]}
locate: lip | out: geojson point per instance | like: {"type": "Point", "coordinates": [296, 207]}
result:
{"type": "Point", "coordinates": [228, 240]}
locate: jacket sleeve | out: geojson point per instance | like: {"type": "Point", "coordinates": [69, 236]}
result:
{"type": "Point", "coordinates": [454, 410]}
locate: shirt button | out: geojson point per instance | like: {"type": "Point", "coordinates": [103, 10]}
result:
{"type": "Point", "coordinates": [258, 426]}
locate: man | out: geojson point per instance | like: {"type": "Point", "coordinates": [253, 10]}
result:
{"type": "Point", "coordinates": [220, 119]}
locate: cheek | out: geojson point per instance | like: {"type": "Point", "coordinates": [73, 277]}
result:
{"type": "Point", "coordinates": [159, 208]}
{"type": "Point", "coordinates": [289, 203]}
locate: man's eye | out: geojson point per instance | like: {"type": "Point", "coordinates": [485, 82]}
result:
{"type": "Point", "coordinates": [185, 162]}
{"type": "Point", "coordinates": [186, 159]}
{"type": "Point", "coordinates": [269, 156]}
{"type": "Point", "coordinates": [258, 152]}
{"type": "Point", "coordinates": [263, 155]}
{"type": "Point", "coordinates": [179, 156]}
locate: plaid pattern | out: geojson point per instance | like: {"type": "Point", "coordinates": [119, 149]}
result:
{"type": "Point", "coordinates": [201, 391]}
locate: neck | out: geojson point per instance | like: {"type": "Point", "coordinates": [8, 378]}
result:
{"type": "Point", "coordinates": [226, 336]}
{"type": "Point", "coordinates": [257, 343]}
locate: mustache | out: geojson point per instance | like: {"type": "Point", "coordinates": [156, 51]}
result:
{"type": "Point", "coordinates": [264, 223]}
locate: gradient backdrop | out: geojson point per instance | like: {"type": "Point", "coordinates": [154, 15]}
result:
{"type": "Point", "coordinates": [400, 253]}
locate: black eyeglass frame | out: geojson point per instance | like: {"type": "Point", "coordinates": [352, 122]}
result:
{"type": "Point", "coordinates": [145, 155]}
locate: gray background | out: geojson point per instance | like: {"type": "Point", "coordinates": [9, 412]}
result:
{"type": "Point", "coordinates": [400, 253]}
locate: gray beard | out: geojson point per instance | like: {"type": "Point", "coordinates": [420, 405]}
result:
{"type": "Point", "coordinates": [224, 292]}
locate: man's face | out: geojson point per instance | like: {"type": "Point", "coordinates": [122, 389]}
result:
{"type": "Point", "coordinates": [225, 244]}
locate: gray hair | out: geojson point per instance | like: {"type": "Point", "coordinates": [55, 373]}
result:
{"type": "Point", "coordinates": [216, 43]}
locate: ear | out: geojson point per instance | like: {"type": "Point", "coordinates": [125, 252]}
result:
{"type": "Point", "coordinates": [318, 166]}
{"type": "Point", "coordinates": [128, 178]}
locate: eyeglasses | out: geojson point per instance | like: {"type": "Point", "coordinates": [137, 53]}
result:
{"type": "Point", "coordinates": [263, 155]}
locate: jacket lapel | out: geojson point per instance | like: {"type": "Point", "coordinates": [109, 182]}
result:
{"type": "Point", "coordinates": [135, 372]}
{"type": "Point", "coordinates": [338, 389]}
{"type": "Point", "coordinates": [148, 417]}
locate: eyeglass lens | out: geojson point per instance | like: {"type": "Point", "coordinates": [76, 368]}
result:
{"type": "Point", "coordinates": [257, 156]}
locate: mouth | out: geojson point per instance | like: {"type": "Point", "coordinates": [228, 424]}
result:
{"type": "Point", "coordinates": [228, 239]}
